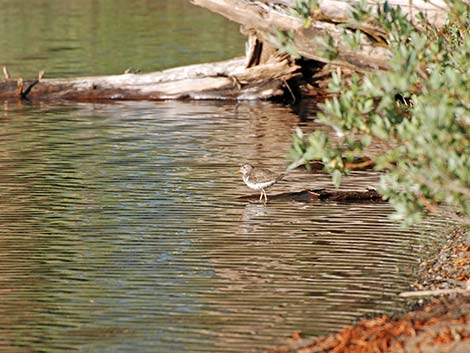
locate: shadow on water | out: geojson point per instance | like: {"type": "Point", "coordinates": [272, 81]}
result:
{"type": "Point", "coordinates": [121, 231]}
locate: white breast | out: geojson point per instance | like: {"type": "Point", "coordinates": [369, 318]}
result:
{"type": "Point", "coordinates": [258, 186]}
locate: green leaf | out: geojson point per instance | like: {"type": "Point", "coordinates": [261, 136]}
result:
{"type": "Point", "coordinates": [336, 177]}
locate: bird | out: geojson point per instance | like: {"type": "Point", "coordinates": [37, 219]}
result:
{"type": "Point", "coordinates": [259, 179]}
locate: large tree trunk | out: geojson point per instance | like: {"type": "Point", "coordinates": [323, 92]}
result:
{"type": "Point", "coordinates": [266, 18]}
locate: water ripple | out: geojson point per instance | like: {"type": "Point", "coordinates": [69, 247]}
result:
{"type": "Point", "coordinates": [121, 230]}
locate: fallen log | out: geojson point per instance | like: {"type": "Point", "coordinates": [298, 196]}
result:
{"type": "Point", "coordinates": [265, 19]}
{"type": "Point", "coordinates": [263, 74]}
{"type": "Point", "coordinates": [321, 195]}
{"type": "Point", "coordinates": [229, 80]}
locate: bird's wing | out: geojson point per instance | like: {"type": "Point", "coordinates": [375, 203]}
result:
{"type": "Point", "coordinates": [264, 175]}
{"type": "Point", "coordinates": [281, 176]}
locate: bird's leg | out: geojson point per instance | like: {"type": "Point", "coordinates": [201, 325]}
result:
{"type": "Point", "coordinates": [265, 196]}
{"type": "Point", "coordinates": [261, 195]}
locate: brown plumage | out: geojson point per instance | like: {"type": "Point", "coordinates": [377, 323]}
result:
{"type": "Point", "coordinates": [259, 179]}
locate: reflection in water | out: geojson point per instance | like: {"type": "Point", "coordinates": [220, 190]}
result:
{"type": "Point", "coordinates": [106, 37]}
{"type": "Point", "coordinates": [121, 231]}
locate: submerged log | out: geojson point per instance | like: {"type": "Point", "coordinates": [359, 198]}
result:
{"type": "Point", "coordinates": [321, 195]}
{"type": "Point", "coordinates": [229, 80]}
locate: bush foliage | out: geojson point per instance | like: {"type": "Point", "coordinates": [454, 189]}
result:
{"type": "Point", "coordinates": [419, 111]}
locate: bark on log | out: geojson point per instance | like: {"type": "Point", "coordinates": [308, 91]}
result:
{"type": "Point", "coordinates": [229, 80]}
{"type": "Point", "coordinates": [266, 18]}
{"type": "Point", "coordinates": [369, 195]}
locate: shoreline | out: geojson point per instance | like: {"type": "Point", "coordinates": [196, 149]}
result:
{"type": "Point", "coordinates": [439, 324]}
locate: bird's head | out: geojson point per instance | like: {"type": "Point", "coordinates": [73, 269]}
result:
{"type": "Point", "coordinates": [246, 168]}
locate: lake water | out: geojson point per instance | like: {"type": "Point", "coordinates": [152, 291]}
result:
{"type": "Point", "coordinates": [120, 224]}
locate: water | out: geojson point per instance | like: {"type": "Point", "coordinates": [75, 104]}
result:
{"type": "Point", "coordinates": [106, 37]}
{"type": "Point", "coordinates": [121, 231]}
{"type": "Point", "coordinates": [120, 225]}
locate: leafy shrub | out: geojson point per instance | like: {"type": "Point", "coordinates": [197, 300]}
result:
{"type": "Point", "coordinates": [419, 110]}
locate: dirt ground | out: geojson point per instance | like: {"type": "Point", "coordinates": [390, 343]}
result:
{"type": "Point", "coordinates": [441, 324]}
{"type": "Point", "coordinates": [450, 267]}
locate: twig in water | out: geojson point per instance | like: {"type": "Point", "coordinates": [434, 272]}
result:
{"type": "Point", "coordinates": [426, 293]}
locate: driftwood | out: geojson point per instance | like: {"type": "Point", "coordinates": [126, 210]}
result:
{"type": "Point", "coordinates": [222, 80]}
{"type": "Point", "coordinates": [427, 293]}
{"type": "Point", "coordinates": [264, 19]}
{"type": "Point", "coordinates": [321, 195]}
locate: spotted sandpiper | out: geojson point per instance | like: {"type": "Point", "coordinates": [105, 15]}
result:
{"type": "Point", "coordinates": [259, 179]}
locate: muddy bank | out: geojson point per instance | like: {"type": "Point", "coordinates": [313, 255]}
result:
{"type": "Point", "coordinates": [440, 325]}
